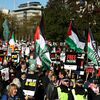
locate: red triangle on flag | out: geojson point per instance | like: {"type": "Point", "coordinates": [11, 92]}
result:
{"type": "Point", "coordinates": [70, 29]}
{"type": "Point", "coordinates": [37, 34]}
{"type": "Point", "coordinates": [89, 37]}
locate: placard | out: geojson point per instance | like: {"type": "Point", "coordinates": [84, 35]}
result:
{"type": "Point", "coordinates": [30, 85]}
{"type": "Point", "coordinates": [89, 70]}
{"type": "Point", "coordinates": [70, 58]}
{"type": "Point", "coordinates": [14, 57]}
{"type": "Point", "coordinates": [52, 56]}
{"type": "Point", "coordinates": [5, 74]}
{"type": "Point", "coordinates": [70, 67]}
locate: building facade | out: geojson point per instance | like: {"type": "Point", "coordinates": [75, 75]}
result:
{"type": "Point", "coordinates": [27, 10]}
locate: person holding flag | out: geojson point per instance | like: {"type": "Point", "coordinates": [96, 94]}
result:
{"type": "Point", "coordinates": [41, 49]}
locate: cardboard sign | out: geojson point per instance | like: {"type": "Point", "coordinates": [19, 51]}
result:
{"type": "Point", "coordinates": [30, 85]}
{"type": "Point", "coordinates": [5, 74]}
{"type": "Point", "coordinates": [79, 72]}
{"type": "Point", "coordinates": [70, 67]}
{"type": "Point", "coordinates": [52, 56]}
{"type": "Point", "coordinates": [14, 57]}
{"type": "Point", "coordinates": [89, 70]}
{"type": "Point", "coordinates": [57, 57]}
{"type": "Point", "coordinates": [70, 58]}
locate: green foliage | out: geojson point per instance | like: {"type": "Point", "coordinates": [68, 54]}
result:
{"type": "Point", "coordinates": [58, 14]}
{"type": "Point", "coordinates": [55, 21]}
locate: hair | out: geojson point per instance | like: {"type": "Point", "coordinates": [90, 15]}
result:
{"type": "Point", "coordinates": [54, 75]}
{"type": "Point", "coordinates": [17, 82]}
{"type": "Point", "coordinates": [63, 72]}
{"type": "Point", "coordinates": [10, 88]}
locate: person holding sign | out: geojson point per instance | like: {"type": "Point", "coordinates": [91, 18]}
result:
{"type": "Point", "coordinates": [30, 85]}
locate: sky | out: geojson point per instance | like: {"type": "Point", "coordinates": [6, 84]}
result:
{"type": "Point", "coordinates": [9, 4]}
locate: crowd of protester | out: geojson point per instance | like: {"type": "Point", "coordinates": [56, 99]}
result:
{"type": "Point", "coordinates": [28, 81]}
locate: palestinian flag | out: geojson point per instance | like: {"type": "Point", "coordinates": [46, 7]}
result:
{"type": "Point", "coordinates": [91, 51]}
{"type": "Point", "coordinates": [12, 40]}
{"type": "Point", "coordinates": [73, 40]}
{"type": "Point", "coordinates": [41, 49]}
{"type": "Point", "coordinates": [13, 36]}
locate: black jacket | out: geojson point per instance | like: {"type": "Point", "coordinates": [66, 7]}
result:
{"type": "Point", "coordinates": [51, 91]}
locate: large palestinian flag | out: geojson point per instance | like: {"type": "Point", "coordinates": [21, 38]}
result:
{"type": "Point", "coordinates": [91, 51]}
{"type": "Point", "coordinates": [73, 40]}
{"type": "Point", "coordinates": [41, 49]}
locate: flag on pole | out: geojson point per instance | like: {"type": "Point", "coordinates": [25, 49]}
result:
{"type": "Point", "coordinates": [73, 40]}
{"type": "Point", "coordinates": [6, 31]}
{"type": "Point", "coordinates": [91, 50]}
{"type": "Point", "coordinates": [41, 49]}
{"type": "Point", "coordinates": [12, 42]}
{"type": "Point", "coordinates": [13, 36]}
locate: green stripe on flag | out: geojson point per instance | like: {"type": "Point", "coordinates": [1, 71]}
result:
{"type": "Point", "coordinates": [73, 46]}
{"type": "Point", "coordinates": [92, 56]}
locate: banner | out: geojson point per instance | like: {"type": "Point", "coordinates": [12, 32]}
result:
{"type": "Point", "coordinates": [71, 58]}
{"type": "Point", "coordinates": [30, 85]}
{"type": "Point", "coordinates": [14, 57]}
{"type": "Point", "coordinates": [5, 74]}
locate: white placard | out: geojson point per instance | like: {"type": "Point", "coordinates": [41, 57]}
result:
{"type": "Point", "coordinates": [70, 67]}
{"type": "Point", "coordinates": [5, 71]}
{"type": "Point", "coordinates": [29, 92]}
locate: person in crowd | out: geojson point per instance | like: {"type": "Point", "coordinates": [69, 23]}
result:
{"type": "Point", "coordinates": [57, 69]}
{"type": "Point", "coordinates": [20, 93]}
{"type": "Point", "coordinates": [93, 91]}
{"type": "Point", "coordinates": [62, 85]}
{"type": "Point", "coordinates": [29, 88]}
{"type": "Point", "coordinates": [27, 51]}
{"type": "Point", "coordinates": [72, 80]}
{"type": "Point", "coordinates": [64, 91]}
{"type": "Point", "coordinates": [32, 63]}
{"type": "Point", "coordinates": [27, 61]}
{"type": "Point", "coordinates": [78, 92]}
{"type": "Point", "coordinates": [23, 79]}
{"type": "Point", "coordinates": [23, 69]}
{"type": "Point", "coordinates": [21, 61]}
{"type": "Point", "coordinates": [51, 91]}
{"type": "Point", "coordinates": [11, 93]}
{"type": "Point", "coordinates": [10, 62]}
{"type": "Point", "coordinates": [1, 89]}
{"type": "Point", "coordinates": [12, 73]}
{"type": "Point", "coordinates": [42, 83]}
{"type": "Point", "coordinates": [62, 75]}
